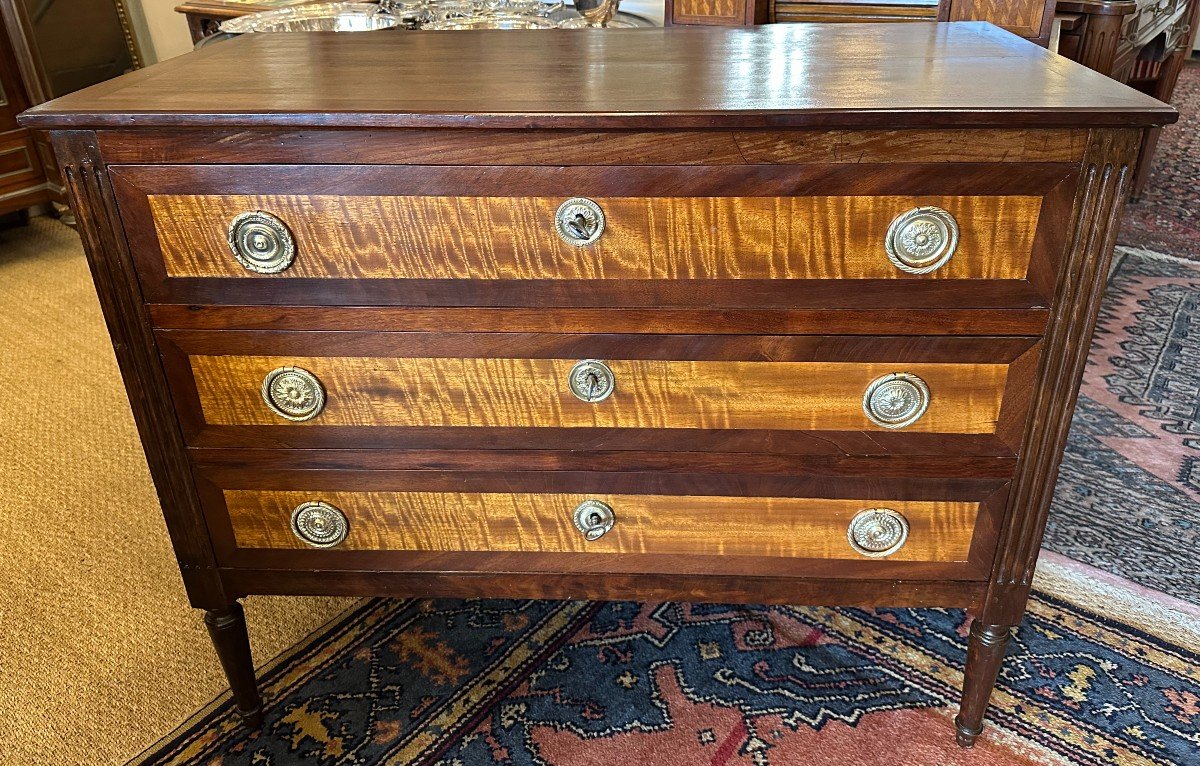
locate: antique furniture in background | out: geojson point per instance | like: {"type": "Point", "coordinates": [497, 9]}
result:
{"type": "Point", "coordinates": [204, 17]}
{"type": "Point", "coordinates": [1031, 19]}
{"type": "Point", "coordinates": [22, 177]}
{"type": "Point", "coordinates": [1140, 42]}
{"type": "Point", "coordinates": [852, 10]}
{"type": "Point", "coordinates": [495, 328]}
{"type": "Point", "coordinates": [51, 48]}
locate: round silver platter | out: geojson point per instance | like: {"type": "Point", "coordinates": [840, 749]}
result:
{"type": "Point", "coordinates": [320, 17]}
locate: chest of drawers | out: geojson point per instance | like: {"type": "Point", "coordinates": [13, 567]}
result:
{"type": "Point", "coordinates": [606, 314]}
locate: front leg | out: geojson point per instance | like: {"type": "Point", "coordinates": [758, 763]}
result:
{"type": "Point", "coordinates": [985, 652]}
{"type": "Point", "coordinates": [227, 628]}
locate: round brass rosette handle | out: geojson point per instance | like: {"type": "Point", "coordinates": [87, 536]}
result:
{"type": "Point", "coordinates": [579, 221]}
{"type": "Point", "coordinates": [921, 240]}
{"type": "Point", "coordinates": [293, 393]}
{"type": "Point", "coordinates": [591, 380]}
{"type": "Point", "coordinates": [594, 518]}
{"type": "Point", "coordinates": [319, 524]}
{"type": "Point", "coordinates": [261, 242]}
{"type": "Point", "coordinates": [896, 400]}
{"type": "Point", "coordinates": [877, 532]}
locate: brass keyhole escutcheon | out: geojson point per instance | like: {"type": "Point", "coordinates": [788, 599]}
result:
{"type": "Point", "coordinates": [594, 518]}
{"type": "Point", "coordinates": [591, 380]}
{"type": "Point", "coordinates": [579, 221]}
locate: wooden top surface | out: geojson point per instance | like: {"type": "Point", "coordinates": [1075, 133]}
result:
{"type": "Point", "coordinates": [826, 75]}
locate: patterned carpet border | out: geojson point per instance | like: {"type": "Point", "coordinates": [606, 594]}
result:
{"type": "Point", "coordinates": [1102, 672]}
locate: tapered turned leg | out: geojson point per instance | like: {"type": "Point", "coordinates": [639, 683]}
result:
{"type": "Point", "coordinates": [985, 652]}
{"type": "Point", "coordinates": [227, 628]}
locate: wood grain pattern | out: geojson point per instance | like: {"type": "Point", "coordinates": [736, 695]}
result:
{"type": "Point", "coordinates": [1093, 230]}
{"type": "Point", "coordinates": [614, 147]}
{"type": "Point", "coordinates": [507, 238]}
{"type": "Point", "coordinates": [447, 392]}
{"type": "Point", "coordinates": [791, 11]}
{"type": "Point", "coordinates": [952, 321]}
{"type": "Point", "coordinates": [509, 578]}
{"type": "Point", "coordinates": [713, 12]}
{"type": "Point", "coordinates": [841, 75]}
{"type": "Point", "coordinates": [708, 526]}
{"type": "Point", "coordinates": [1028, 18]}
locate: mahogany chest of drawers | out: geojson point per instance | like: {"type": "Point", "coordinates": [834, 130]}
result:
{"type": "Point", "coordinates": [606, 314]}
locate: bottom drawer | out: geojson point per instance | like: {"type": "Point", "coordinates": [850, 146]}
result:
{"type": "Point", "coordinates": [369, 527]}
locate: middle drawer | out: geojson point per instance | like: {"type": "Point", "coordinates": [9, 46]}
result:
{"type": "Point", "coordinates": [548, 391]}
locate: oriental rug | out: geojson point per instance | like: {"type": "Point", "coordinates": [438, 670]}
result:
{"type": "Point", "coordinates": [1100, 673]}
{"type": "Point", "coordinates": [1166, 218]}
{"type": "Point", "coordinates": [1129, 484]}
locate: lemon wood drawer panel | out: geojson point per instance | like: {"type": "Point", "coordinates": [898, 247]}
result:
{"type": "Point", "coordinates": [377, 389]}
{"type": "Point", "coordinates": [346, 518]}
{"type": "Point", "coordinates": [618, 236]}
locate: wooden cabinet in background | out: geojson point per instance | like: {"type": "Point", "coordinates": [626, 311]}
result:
{"type": "Point", "coordinates": [23, 181]}
{"type": "Point", "coordinates": [1143, 43]}
{"type": "Point", "coordinates": [1031, 19]}
{"type": "Point", "coordinates": [47, 49]}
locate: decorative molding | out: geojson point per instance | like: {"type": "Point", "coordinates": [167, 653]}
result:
{"type": "Point", "coordinates": [141, 367]}
{"type": "Point", "coordinates": [1104, 185]}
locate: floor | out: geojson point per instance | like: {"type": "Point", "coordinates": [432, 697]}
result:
{"type": "Point", "coordinates": [101, 654]}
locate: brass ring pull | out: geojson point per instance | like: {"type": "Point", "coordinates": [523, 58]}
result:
{"type": "Point", "coordinates": [896, 400]}
{"type": "Point", "coordinates": [319, 524]}
{"type": "Point", "coordinates": [921, 240]}
{"type": "Point", "coordinates": [579, 221]}
{"type": "Point", "coordinates": [261, 242]}
{"type": "Point", "coordinates": [594, 518]}
{"type": "Point", "coordinates": [877, 532]}
{"type": "Point", "coordinates": [591, 380]}
{"type": "Point", "coordinates": [293, 393]}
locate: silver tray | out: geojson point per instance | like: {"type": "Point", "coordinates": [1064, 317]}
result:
{"type": "Point", "coordinates": [493, 21]}
{"type": "Point", "coordinates": [321, 17]}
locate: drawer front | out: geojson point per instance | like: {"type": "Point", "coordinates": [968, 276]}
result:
{"type": "Point", "coordinates": [428, 235]}
{"type": "Point", "coordinates": [346, 518]}
{"type": "Point", "coordinates": [655, 524]}
{"type": "Point", "coordinates": [515, 238]}
{"type": "Point", "coordinates": [668, 384]}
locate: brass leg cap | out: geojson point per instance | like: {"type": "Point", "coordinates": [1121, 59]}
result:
{"type": "Point", "coordinates": [963, 736]}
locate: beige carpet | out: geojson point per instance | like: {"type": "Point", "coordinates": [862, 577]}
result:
{"type": "Point", "coordinates": [100, 654]}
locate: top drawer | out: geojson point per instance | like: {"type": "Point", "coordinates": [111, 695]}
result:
{"type": "Point", "coordinates": [739, 236]}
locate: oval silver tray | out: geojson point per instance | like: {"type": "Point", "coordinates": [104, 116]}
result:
{"type": "Point", "coordinates": [320, 17]}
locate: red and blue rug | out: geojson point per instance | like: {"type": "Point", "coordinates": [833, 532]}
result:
{"type": "Point", "coordinates": [519, 683]}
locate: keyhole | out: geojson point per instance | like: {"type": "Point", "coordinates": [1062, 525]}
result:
{"type": "Point", "coordinates": [579, 225]}
{"type": "Point", "coordinates": [595, 520]}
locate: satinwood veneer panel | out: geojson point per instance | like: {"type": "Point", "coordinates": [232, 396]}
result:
{"type": "Point", "coordinates": [509, 238]}
{"type": "Point", "coordinates": [542, 523]}
{"type": "Point", "coordinates": [515, 393]}
{"type": "Point", "coordinates": [485, 382]}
